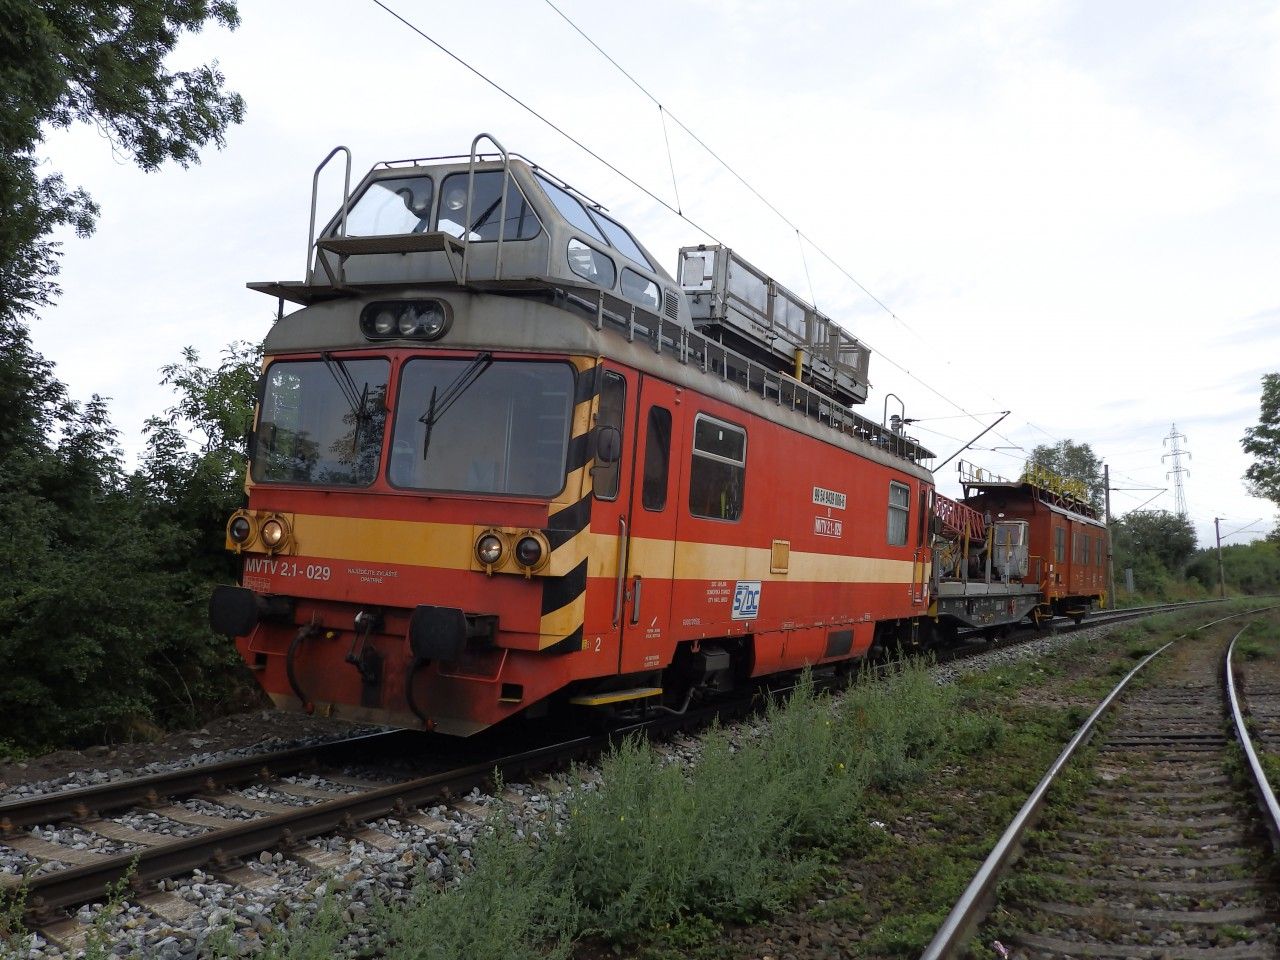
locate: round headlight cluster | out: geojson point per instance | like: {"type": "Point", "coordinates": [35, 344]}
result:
{"type": "Point", "coordinates": [529, 553]}
{"type": "Point", "coordinates": [247, 529]}
{"type": "Point", "coordinates": [405, 319]}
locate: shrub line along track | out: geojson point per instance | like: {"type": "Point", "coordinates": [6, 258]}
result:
{"type": "Point", "coordinates": [160, 856]}
{"type": "Point", "coordinates": [979, 896]}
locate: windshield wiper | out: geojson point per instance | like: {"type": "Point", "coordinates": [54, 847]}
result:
{"type": "Point", "coordinates": [357, 399]}
{"type": "Point", "coordinates": [442, 401]}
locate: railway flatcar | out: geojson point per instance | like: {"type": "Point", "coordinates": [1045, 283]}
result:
{"type": "Point", "coordinates": [504, 464]}
{"type": "Point", "coordinates": [1010, 550]}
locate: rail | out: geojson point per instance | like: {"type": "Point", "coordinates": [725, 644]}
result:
{"type": "Point", "coordinates": [346, 202]}
{"type": "Point", "coordinates": [973, 903]}
{"type": "Point", "coordinates": [969, 910]}
{"type": "Point", "coordinates": [502, 205]}
{"type": "Point", "coordinates": [1257, 776]}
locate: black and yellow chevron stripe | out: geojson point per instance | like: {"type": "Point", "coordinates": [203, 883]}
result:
{"type": "Point", "coordinates": [564, 597]}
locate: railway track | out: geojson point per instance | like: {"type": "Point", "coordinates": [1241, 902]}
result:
{"type": "Point", "coordinates": [75, 843]}
{"type": "Point", "coordinates": [1163, 856]}
{"type": "Point", "coordinates": [217, 815]}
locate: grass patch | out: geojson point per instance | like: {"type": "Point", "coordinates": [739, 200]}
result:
{"type": "Point", "coordinates": [748, 828]}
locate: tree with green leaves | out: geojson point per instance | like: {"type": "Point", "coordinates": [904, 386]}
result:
{"type": "Point", "coordinates": [1251, 568]}
{"type": "Point", "coordinates": [104, 63]}
{"type": "Point", "coordinates": [100, 611]}
{"type": "Point", "coordinates": [1165, 537]}
{"type": "Point", "coordinates": [1263, 443]}
{"type": "Point", "coordinates": [101, 630]}
{"type": "Point", "coordinates": [1075, 461]}
{"type": "Point", "coordinates": [195, 461]}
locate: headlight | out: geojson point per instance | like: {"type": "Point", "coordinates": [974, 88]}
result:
{"type": "Point", "coordinates": [529, 551]}
{"type": "Point", "coordinates": [431, 320]}
{"type": "Point", "coordinates": [489, 549]}
{"type": "Point", "coordinates": [273, 533]}
{"type": "Point", "coordinates": [397, 319]}
{"type": "Point", "coordinates": [408, 323]}
{"type": "Point", "coordinates": [239, 529]}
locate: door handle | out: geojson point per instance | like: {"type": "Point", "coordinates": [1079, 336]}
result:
{"type": "Point", "coordinates": [621, 587]}
{"type": "Point", "coordinates": [635, 600]}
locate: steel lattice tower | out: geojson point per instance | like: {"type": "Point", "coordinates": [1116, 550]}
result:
{"type": "Point", "coordinates": [1177, 453]}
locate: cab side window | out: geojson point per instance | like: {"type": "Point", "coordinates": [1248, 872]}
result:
{"type": "Point", "coordinates": [899, 513]}
{"type": "Point", "coordinates": [657, 459]}
{"type": "Point", "coordinates": [718, 469]}
{"type": "Point", "coordinates": [604, 475]}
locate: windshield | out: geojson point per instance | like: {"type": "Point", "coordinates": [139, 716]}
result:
{"type": "Point", "coordinates": [486, 208]}
{"type": "Point", "coordinates": [322, 422]}
{"type": "Point", "coordinates": [389, 206]}
{"type": "Point", "coordinates": [482, 426]}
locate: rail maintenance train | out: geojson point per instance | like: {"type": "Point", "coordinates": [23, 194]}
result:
{"type": "Point", "coordinates": [504, 464]}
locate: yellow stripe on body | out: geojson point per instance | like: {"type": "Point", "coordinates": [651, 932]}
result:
{"type": "Point", "coordinates": [558, 624]}
{"type": "Point", "coordinates": [714, 561]}
{"type": "Point", "coordinates": [449, 546]}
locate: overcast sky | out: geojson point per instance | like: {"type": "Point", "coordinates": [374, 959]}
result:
{"type": "Point", "coordinates": [1071, 209]}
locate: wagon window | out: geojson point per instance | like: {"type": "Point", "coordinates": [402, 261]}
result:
{"type": "Point", "coordinates": [621, 239]}
{"type": "Point", "coordinates": [1059, 544]}
{"type": "Point", "coordinates": [899, 513]}
{"type": "Point", "coordinates": [613, 395]}
{"type": "Point", "coordinates": [572, 210]}
{"type": "Point", "coordinates": [1099, 553]}
{"type": "Point", "coordinates": [657, 459]}
{"type": "Point", "coordinates": [717, 470]}
{"type": "Point", "coordinates": [639, 288]}
{"type": "Point", "coordinates": [590, 264]}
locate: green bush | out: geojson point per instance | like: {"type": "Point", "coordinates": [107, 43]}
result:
{"type": "Point", "coordinates": [508, 908]}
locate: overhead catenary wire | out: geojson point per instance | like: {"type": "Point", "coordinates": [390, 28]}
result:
{"type": "Point", "coordinates": [558, 129]}
{"type": "Point", "coordinates": [801, 236]}
{"type": "Point", "coordinates": [677, 210]}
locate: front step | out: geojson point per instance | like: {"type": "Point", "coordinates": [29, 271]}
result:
{"type": "Point", "coordinates": [615, 696]}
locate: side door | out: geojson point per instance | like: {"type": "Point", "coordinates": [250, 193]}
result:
{"type": "Point", "coordinates": [611, 457]}
{"type": "Point", "coordinates": [651, 552]}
